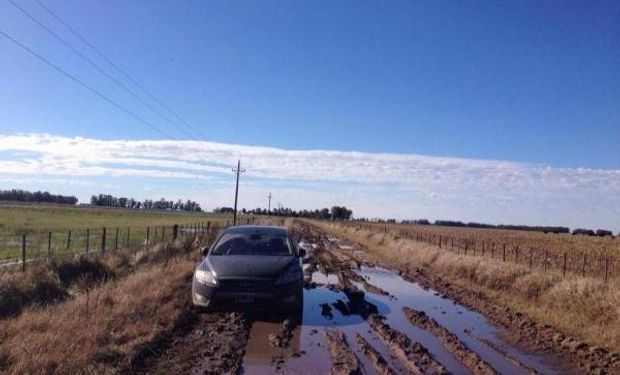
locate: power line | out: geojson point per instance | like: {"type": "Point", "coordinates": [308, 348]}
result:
{"type": "Point", "coordinates": [118, 68]}
{"type": "Point", "coordinates": [96, 66]}
{"type": "Point", "coordinates": [91, 89]}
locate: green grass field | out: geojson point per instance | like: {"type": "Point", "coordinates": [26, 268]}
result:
{"type": "Point", "coordinates": [86, 225]}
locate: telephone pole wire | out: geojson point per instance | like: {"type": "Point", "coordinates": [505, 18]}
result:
{"type": "Point", "coordinates": [237, 171]}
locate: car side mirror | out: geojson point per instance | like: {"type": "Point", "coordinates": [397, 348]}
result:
{"type": "Point", "coordinates": [302, 253]}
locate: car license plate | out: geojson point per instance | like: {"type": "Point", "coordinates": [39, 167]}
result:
{"type": "Point", "coordinates": [245, 298]}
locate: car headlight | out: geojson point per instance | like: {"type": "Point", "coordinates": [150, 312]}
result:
{"type": "Point", "coordinates": [205, 276]}
{"type": "Point", "coordinates": [291, 274]}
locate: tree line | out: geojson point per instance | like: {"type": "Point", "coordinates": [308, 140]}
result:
{"type": "Point", "coordinates": [531, 228]}
{"type": "Point", "coordinates": [107, 200]}
{"type": "Point", "coordinates": [15, 195]}
{"type": "Point", "coordinates": [335, 213]}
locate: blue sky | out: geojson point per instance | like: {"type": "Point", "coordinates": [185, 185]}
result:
{"type": "Point", "coordinates": [534, 83]}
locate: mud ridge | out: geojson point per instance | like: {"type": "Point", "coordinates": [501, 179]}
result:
{"type": "Point", "coordinates": [344, 361]}
{"type": "Point", "coordinates": [283, 338]}
{"type": "Point", "coordinates": [450, 341]}
{"type": "Point", "coordinates": [411, 353]}
{"type": "Point", "coordinates": [378, 362]}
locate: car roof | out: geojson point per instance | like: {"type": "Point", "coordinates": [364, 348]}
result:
{"type": "Point", "coordinates": [262, 229]}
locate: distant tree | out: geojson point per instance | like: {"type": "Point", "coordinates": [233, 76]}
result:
{"type": "Point", "coordinates": [15, 195]}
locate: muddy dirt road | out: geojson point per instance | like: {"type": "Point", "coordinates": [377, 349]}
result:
{"type": "Point", "coordinates": [357, 318]}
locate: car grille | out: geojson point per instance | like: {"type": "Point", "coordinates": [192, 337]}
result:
{"type": "Point", "coordinates": [246, 284]}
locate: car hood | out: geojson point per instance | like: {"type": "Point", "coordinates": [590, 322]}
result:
{"type": "Point", "coordinates": [248, 265]}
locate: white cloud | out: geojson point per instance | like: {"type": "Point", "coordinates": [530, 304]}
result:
{"type": "Point", "coordinates": [374, 184]}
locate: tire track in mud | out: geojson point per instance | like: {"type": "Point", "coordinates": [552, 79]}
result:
{"type": "Point", "coordinates": [379, 363]}
{"type": "Point", "coordinates": [411, 353]}
{"type": "Point", "coordinates": [344, 361]}
{"type": "Point", "coordinates": [450, 341]}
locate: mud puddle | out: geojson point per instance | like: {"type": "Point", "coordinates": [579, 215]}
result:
{"type": "Point", "coordinates": [470, 327]}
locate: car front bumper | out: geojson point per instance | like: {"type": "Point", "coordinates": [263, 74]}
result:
{"type": "Point", "coordinates": [246, 294]}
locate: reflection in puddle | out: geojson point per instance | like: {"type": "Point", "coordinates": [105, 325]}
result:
{"type": "Point", "coordinates": [464, 323]}
{"type": "Point", "coordinates": [325, 308]}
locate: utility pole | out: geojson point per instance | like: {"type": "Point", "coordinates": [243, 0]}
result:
{"type": "Point", "coordinates": [237, 171]}
{"type": "Point", "coordinates": [269, 207]}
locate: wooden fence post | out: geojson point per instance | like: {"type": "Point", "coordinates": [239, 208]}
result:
{"type": "Point", "coordinates": [128, 231]}
{"type": "Point", "coordinates": [49, 245]}
{"type": "Point", "coordinates": [564, 266]}
{"type": "Point", "coordinates": [116, 239]}
{"type": "Point", "coordinates": [87, 239]}
{"type": "Point", "coordinates": [583, 266]}
{"type": "Point", "coordinates": [531, 257]}
{"type": "Point", "coordinates": [606, 268]}
{"type": "Point", "coordinates": [175, 230]}
{"type": "Point", "coordinates": [545, 261]}
{"type": "Point", "coordinates": [208, 226]}
{"type": "Point", "coordinates": [492, 250]}
{"type": "Point", "coordinates": [517, 254]}
{"type": "Point", "coordinates": [163, 233]}
{"type": "Point", "coordinates": [69, 240]}
{"type": "Point", "coordinates": [504, 252]}
{"type": "Point", "coordinates": [148, 233]}
{"type": "Point", "coordinates": [103, 240]}
{"type": "Point", "coordinates": [24, 252]}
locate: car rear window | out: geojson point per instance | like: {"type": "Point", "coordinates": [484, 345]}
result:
{"type": "Point", "coordinates": [252, 244]}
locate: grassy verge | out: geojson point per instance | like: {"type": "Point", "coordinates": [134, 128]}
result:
{"type": "Point", "coordinates": [582, 307]}
{"type": "Point", "coordinates": [102, 324]}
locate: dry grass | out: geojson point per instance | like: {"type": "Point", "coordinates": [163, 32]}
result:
{"type": "Point", "coordinates": [583, 307]}
{"type": "Point", "coordinates": [99, 329]}
{"type": "Point", "coordinates": [583, 253]}
{"type": "Point", "coordinates": [55, 281]}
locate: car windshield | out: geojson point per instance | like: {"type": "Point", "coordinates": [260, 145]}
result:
{"type": "Point", "coordinates": [252, 244]}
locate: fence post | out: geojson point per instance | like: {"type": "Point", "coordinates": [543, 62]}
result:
{"type": "Point", "coordinates": [87, 239]}
{"type": "Point", "coordinates": [564, 266]}
{"type": "Point", "coordinates": [175, 230]}
{"type": "Point", "coordinates": [103, 240]}
{"type": "Point", "coordinates": [531, 257]}
{"type": "Point", "coordinates": [492, 250]}
{"type": "Point", "coordinates": [155, 235]}
{"type": "Point", "coordinates": [23, 251]}
{"type": "Point", "coordinates": [128, 231]}
{"type": "Point", "coordinates": [208, 226]}
{"type": "Point", "coordinates": [69, 240]}
{"type": "Point", "coordinates": [49, 245]}
{"type": "Point", "coordinates": [545, 261]}
{"type": "Point", "coordinates": [504, 252]}
{"type": "Point", "coordinates": [148, 233]}
{"type": "Point", "coordinates": [606, 268]}
{"type": "Point", "coordinates": [517, 254]}
{"type": "Point", "coordinates": [116, 239]}
{"type": "Point", "coordinates": [583, 267]}
{"type": "Point", "coordinates": [163, 233]}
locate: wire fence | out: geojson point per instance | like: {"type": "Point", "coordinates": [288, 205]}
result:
{"type": "Point", "coordinates": [576, 262]}
{"type": "Point", "coordinates": [17, 250]}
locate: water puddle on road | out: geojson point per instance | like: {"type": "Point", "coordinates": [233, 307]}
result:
{"type": "Point", "coordinates": [469, 326]}
{"type": "Point", "coordinates": [325, 308]}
